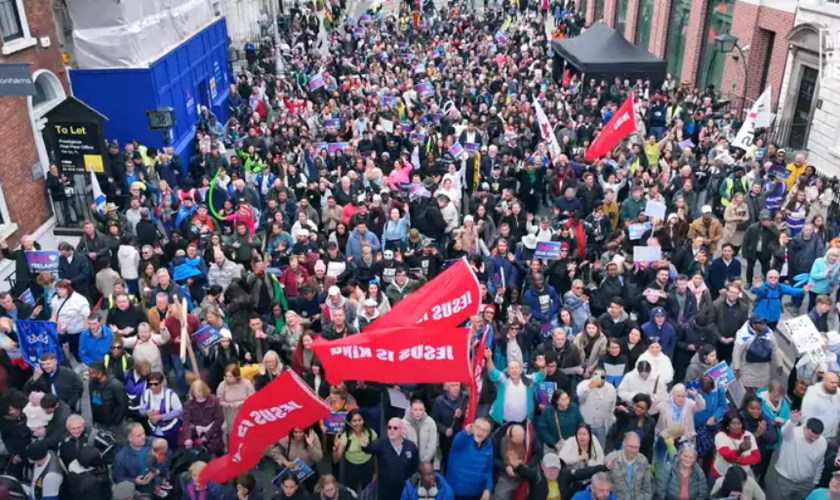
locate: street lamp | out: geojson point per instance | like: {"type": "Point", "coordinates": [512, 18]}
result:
{"type": "Point", "coordinates": [726, 43]}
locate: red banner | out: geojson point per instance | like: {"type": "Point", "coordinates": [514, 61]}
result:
{"type": "Point", "coordinates": [476, 379]}
{"type": "Point", "coordinates": [622, 124]}
{"type": "Point", "coordinates": [419, 355]}
{"type": "Point", "coordinates": [448, 300]}
{"type": "Point", "coordinates": [266, 417]}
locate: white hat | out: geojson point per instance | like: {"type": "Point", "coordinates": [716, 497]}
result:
{"type": "Point", "coordinates": [369, 303]}
{"type": "Point", "coordinates": [551, 461]}
{"type": "Point", "coordinates": [530, 242]}
{"type": "Point", "coordinates": [706, 209]}
{"type": "Point", "coordinates": [304, 233]}
{"type": "Point", "coordinates": [226, 334]}
{"type": "Point", "coordinates": [333, 291]}
{"type": "Point", "coordinates": [673, 216]}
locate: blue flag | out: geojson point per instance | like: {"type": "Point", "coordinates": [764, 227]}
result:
{"type": "Point", "coordinates": [37, 338]}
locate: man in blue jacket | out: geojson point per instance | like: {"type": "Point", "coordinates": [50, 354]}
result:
{"type": "Point", "coordinates": [599, 489]}
{"type": "Point", "coordinates": [130, 461]}
{"type": "Point", "coordinates": [723, 269]}
{"type": "Point", "coordinates": [502, 268]}
{"type": "Point", "coordinates": [95, 342]}
{"type": "Point", "coordinates": [543, 301]}
{"type": "Point", "coordinates": [425, 483]}
{"type": "Point", "coordinates": [659, 328]}
{"type": "Point", "coordinates": [470, 471]}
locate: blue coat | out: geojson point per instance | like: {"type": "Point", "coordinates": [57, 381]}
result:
{"type": "Point", "coordinates": [95, 348]}
{"type": "Point", "coordinates": [532, 300]}
{"type": "Point", "coordinates": [666, 334]}
{"type": "Point", "coordinates": [444, 490]}
{"type": "Point", "coordinates": [720, 273]}
{"type": "Point", "coordinates": [587, 495]}
{"type": "Point", "coordinates": [354, 244]}
{"type": "Point", "coordinates": [470, 470]}
{"type": "Point", "coordinates": [128, 465]}
{"type": "Point", "coordinates": [768, 299]}
{"type": "Point", "coordinates": [495, 265]}
{"type": "Point", "coordinates": [716, 406]}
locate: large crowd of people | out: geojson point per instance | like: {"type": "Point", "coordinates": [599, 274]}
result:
{"type": "Point", "coordinates": [334, 191]}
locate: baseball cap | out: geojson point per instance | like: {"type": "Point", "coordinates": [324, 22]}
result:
{"type": "Point", "coordinates": [706, 209]}
{"type": "Point", "coordinates": [369, 303]}
{"type": "Point", "coordinates": [551, 461]}
{"type": "Point", "coordinates": [765, 215]}
{"type": "Point", "coordinates": [333, 291]}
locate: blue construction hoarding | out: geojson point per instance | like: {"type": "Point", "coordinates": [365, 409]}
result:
{"type": "Point", "coordinates": [193, 74]}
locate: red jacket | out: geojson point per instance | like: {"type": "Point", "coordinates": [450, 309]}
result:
{"type": "Point", "coordinates": [174, 326]}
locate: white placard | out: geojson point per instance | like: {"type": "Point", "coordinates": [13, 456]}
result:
{"type": "Point", "coordinates": [387, 125]}
{"type": "Point", "coordinates": [806, 338]}
{"type": "Point", "coordinates": [655, 210]}
{"type": "Point", "coordinates": [398, 399]}
{"type": "Point", "coordinates": [646, 254]}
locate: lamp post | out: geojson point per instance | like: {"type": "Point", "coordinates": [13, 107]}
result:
{"type": "Point", "coordinates": [726, 43]}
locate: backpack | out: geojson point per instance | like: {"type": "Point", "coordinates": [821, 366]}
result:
{"type": "Point", "coordinates": [104, 441]}
{"type": "Point", "coordinates": [760, 350]}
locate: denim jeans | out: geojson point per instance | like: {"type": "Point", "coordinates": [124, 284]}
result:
{"type": "Point", "coordinates": [600, 433]}
{"type": "Point", "coordinates": [180, 370]}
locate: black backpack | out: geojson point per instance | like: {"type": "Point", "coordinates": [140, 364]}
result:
{"type": "Point", "coordinates": [760, 350]}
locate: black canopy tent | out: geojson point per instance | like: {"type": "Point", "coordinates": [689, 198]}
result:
{"type": "Point", "coordinates": [600, 52]}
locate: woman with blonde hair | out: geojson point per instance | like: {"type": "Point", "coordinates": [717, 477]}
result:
{"type": "Point", "coordinates": [146, 345]}
{"type": "Point", "coordinates": [232, 392]}
{"type": "Point", "coordinates": [328, 488]}
{"type": "Point", "coordinates": [203, 420]}
{"type": "Point", "coordinates": [195, 490]}
{"type": "Point", "coordinates": [270, 368]}
{"type": "Point", "coordinates": [292, 332]}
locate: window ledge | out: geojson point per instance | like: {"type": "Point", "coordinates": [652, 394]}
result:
{"type": "Point", "coordinates": [7, 230]}
{"type": "Point", "coordinates": [18, 45]}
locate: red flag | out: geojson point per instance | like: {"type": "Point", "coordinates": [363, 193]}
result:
{"type": "Point", "coordinates": [419, 355]}
{"type": "Point", "coordinates": [448, 300]}
{"type": "Point", "coordinates": [266, 417]}
{"type": "Point", "coordinates": [622, 124]}
{"type": "Point", "coordinates": [476, 378]}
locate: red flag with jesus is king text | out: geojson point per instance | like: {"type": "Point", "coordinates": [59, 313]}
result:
{"type": "Point", "coordinates": [266, 417]}
{"type": "Point", "coordinates": [622, 124]}
{"type": "Point", "coordinates": [448, 300]}
{"type": "Point", "coordinates": [427, 354]}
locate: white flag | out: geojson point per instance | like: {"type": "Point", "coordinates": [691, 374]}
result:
{"type": "Point", "coordinates": [415, 157]}
{"type": "Point", "coordinates": [98, 196]}
{"type": "Point", "coordinates": [759, 117]}
{"type": "Point", "coordinates": [547, 130]}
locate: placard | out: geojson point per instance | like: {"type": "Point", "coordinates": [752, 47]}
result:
{"type": "Point", "coordinates": [37, 338]}
{"type": "Point", "coordinates": [301, 471]}
{"type": "Point", "coordinates": [316, 82]}
{"type": "Point", "coordinates": [471, 147]}
{"type": "Point", "coordinates": [207, 337]}
{"type": "Point", "coordinates": [646, 254]}
{"type": "Point", "coordinates": [425, 89]}
{"type": "Point", "coordinates": [547, 250]}
{"type": "Point", "coordinates": [332, 123]}
{"type": "Point", "coordinates": [544, 391]}
{"type": "Point", "coordinates": [806, 338]}
{"type": "Point", "coordinates": [334, 422]}
{"type": "Point", "coordinates": [456, 150]}
{"type": "Point", "coordinates": [42, 261]}
{"type": "Point", "coordinates": [636, 231]}
{"type": "Point", "coordinates": [501, 38]}
{"type": "Point", "coordinates": [655, 210]}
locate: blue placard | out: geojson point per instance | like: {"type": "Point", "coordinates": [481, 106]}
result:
{"type": "Point", "coordinates": [456, 150]}
{"type": "Point", "coordinates": [425, 89]}
{"type": "Point", "coordinates": [388, 100]}
{"type": "Point", "coordinates": [335, 146]}
{"type": "Point", "coordinates": [359, 33]}
{"type": "Point", "coordinates": [547, 250]}
{"type": "Point", "coordinates": [27, 297]}
{"type": "Point", "coordinates": [301, 471]}
{"type": "Point", "coordinates": [42, 261]}
{"type": "Point", "coordinates": [316, 82]}
{"type": "Point", "coordinates": [364, 19]}
{"type": "Point", "coordinates": [500, 38]}
{"type": "Point", "coordinates": [636, 231]}
{"type": "Point", "coordinates": [207, 337]}
{"type": "Point", "coordinates": [543, 392]}
{"type": "Point", "coordinates": [333, 123]}
{"type": "Point", "coordinates": [334, 422]}
{"type": "Point", "coordinates": [37, 338]}
{"type": "Point", "coordinates": [722, 374]}
{"type": "Point", "coordinates": [419, 69]}
{"type": "Point", "coordinates": [471, 147]}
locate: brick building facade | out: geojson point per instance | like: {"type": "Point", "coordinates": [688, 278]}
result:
{"type": "Point", "coordinates": [760, 25]}
{"type": "Point", "coordinates": [30, 38]}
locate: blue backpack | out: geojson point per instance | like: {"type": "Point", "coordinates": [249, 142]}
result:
{"type": "Point", "coordinates": [760, 350]}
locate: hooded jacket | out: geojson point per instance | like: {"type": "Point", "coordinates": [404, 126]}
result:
{"type": "Point", "coordinates": [633, 384]}
{"type": "Point", "coordinates": [424, 434]}
{"type": "Point", "coordinates": [411, 485]}
{"type": "Point", "coordinates": [665, 333]}
{"type": "Point", "coordinates": [544, 302]}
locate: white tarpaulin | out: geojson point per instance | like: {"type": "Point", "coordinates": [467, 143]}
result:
{"type": "Point", "coordinates": [133, 33]}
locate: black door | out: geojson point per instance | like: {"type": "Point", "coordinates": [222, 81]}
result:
{"type": "Point", "coordinates": [802, 112]}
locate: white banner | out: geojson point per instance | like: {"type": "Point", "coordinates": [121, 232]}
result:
{"type": "Point", "coordinates": [759, 117]}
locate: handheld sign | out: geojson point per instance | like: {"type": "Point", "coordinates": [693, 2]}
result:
{"type": "Point", "coordinates": [42, 261]}
{"type": "Point", "coordinates": [301, 471]}
{"type": "Point", "coordinates": [207, 337]}
{"type": "Point", "coordinates": [334, 422]}
{"type": "Point", "coordinates": [806, 338]}
{"type": "Point", "coordinates": [547, 250]}
{"type": "Point", "coordinates": [37, 338]}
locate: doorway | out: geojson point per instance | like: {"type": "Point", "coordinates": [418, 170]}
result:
{"type": "Point", "coordinates": [801, 122]}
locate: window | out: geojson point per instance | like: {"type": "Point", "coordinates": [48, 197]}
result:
{"type": "Point", "coordinates": [643, 24]}
{"type": "Point", "coordinates": [718, 21]}
{"type": "Point", "coordinates": [10, 26]}
{"type": "Point", "coordinates": [677, 27]}
{"type": "Point", "coordinates": [599, 9]}
{"type": "Point", "coordinates": [770, 36]}
{"type": "Point", "coordinates": [621, 16]}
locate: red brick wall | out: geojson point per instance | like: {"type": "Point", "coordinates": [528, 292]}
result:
{"type": "Point", "coordinates": [659, 27]}
{"type": "Point", "coordinates": [753, 25]}
{"type": "Point", "coordinates": [590, 12]}
{"type": "Point", "coordinates": [24, 196]}
{"type": "Point", "coordinates": [694, 40]}
{"type": "Point", "coordinates": [609, 12]}
{"type": "Point", "coordinates": [632, 17]}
